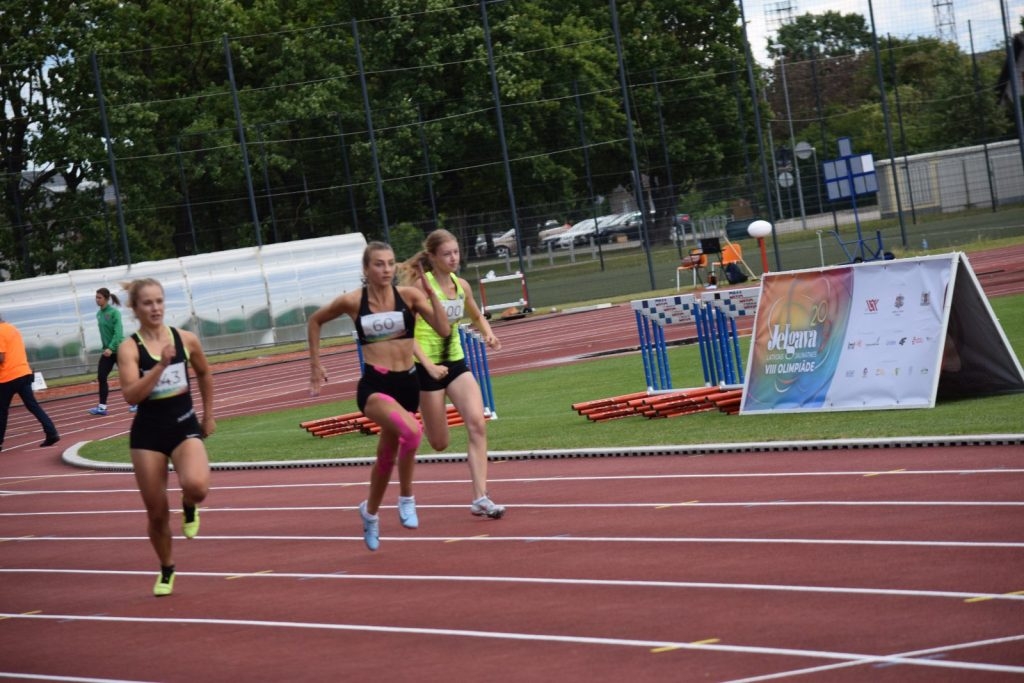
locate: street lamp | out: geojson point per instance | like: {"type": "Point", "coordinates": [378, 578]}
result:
{"type": "Point", "coordinates": [759, 230]}
{"type": "Point", "coordinates": [805, 150]}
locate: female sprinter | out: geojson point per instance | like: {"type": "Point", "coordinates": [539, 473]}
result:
{"type": "Point", "coordinates": [441, 362]}
{"type": "Point", "coordinates": [154, 375]}
{"type": "Point", "coordinates": [384, 317]}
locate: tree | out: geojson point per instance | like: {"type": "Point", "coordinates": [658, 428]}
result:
{"type": "Point", "coordinates": [184, 184]}
{"type": "Point", "coordinates": [49, 183]}
{"type": "Point", "coordinates": [827, 35]}
{"type": "Point", "coordinates": [935, 101]}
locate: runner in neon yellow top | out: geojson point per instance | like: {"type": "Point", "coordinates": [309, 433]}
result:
{"type": "Point", "coordinates": [441, 364]}
{"type": "Point", "coordinates": [434, 346]}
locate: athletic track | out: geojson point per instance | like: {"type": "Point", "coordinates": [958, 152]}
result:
{"type": "Point", "coordinates": [823, 563]}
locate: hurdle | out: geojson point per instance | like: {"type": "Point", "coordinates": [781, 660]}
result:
{"type": "Point", "coordinates": [475, 349]}
{"type": "Point", "coordinates": [357, 423]}
{"type": "Point", "coordinates": [332, 426]}
{"type": "Point", "coordinates": [454, 420]}
{"type": "Point", "coordinates": [659, 405]}
{"type": "Point", "coordinates": [608, 408]}
{"type": "Point", "coordinates": [714, 316]}
{"type": "Point", "coordinates": [521, 303]}
{"type": "Point", "coordinates": [652, 315]}
{"type": "Point", "coordinates": [679, 403]}
{"type": "Point", "coordinates": [722, 307]}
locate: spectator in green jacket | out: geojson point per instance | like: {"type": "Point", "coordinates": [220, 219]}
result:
{"type": "Point", "coordinates": [111, 335]}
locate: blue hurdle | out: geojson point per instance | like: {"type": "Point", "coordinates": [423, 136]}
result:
{"type": "Point", "coordinates": [652, 315]}
{"type": "Point", "coordinates": [476, 358]}
{"type": "Point", "coordinates": [714, 316]}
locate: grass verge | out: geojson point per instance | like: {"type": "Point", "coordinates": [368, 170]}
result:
{"type": "Point", "coordinates": [534, 413]}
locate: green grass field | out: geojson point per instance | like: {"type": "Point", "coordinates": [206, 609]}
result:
{"type": "Point", "coordinates": [534, 413]}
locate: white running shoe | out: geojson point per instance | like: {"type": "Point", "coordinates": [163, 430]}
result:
{"type": "Point", "coordinates": [407, 512]}
{"type": "Point", "coordinates": [485, 507]}
{"type": "Point", "coordinates": [371, 527]}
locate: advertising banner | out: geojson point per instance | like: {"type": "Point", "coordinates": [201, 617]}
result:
{"type": "Point", "coordinates": [856, 337]}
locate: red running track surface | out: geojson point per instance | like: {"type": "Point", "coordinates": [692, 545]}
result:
{"type": "Point", "coordinates": [882, 564]}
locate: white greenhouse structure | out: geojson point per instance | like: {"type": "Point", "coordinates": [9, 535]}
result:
{"type": "Point", "coordinates": [235, 299]}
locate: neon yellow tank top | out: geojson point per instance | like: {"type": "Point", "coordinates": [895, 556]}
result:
{"type": "Point", "coordinates": [430, 341]}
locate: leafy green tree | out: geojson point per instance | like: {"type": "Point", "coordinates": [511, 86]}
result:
{"type": "Point", "coordinates": [163, 74]}
{"type": "Point", "coordinates": [941, 104]}
{"type": "Point", "coordinates": [406, 240]}
{"type": "Point", "coordinates": [935, 99]}
{"type": "Point", "coordinates": [826, 35]}
{"type": "Point", "coordinates": [49, 180]}
{"type": "Point", "coordinates": [182, 177]}
{"type": "Point", "coordinates": [694, 52]}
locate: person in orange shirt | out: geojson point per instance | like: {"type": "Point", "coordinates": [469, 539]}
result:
{"type": "Point", "coordinates": [16, 378]}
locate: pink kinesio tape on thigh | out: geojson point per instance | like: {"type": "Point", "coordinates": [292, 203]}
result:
{"type": "Point", "coordinates": [408, 437]}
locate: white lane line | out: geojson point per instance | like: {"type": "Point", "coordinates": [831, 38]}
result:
{"type": "Point", "coordinates": [913, 653]}
{"type": "Point", "coordinates": [563, 479]}
{"type": "Point", "coordinates": [557, 539]}
{"type": "Point", "coordinates": [545, 581]}
{"type": "Point", "coordinates": [542, 638]}
{"type": "Point", "coordinates": [568, 506]}
{"type": "Point", "coordinates": [25, 478]}
{"type": "Point", "coordinates": [71, 679]}
{"type": "Point", "coordinates": [762, 475]}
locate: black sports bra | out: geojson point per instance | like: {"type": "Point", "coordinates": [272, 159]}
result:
{"type": "Point", "coordinates": [377, 327]}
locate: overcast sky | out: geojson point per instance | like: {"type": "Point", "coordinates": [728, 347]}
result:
{"type": "Point", "coordinates": [899, 18]}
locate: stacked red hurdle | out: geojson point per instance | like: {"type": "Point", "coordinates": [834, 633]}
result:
{"type": "Point", "coordinates": [682, 402]}
{"type": "Point", "coordinates": [357, 422]}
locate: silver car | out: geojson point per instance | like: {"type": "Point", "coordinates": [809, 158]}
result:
{"type": "Point", "coordinates": [504, 244]}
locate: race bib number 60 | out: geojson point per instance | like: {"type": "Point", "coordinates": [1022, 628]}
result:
{"type": "Point", "coordinates": [381, 326]}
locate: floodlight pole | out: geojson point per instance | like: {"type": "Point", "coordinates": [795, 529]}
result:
{"type": "Point", "coordinates": [373, 138]}
{"type": "Point", "coordinates": [888, 128]}
{"type": "Point", "coordinates": [637, 178]}
{"type": "Point", "coordinates": [496, 93]}
{"type": "Point", "coordinates": [118, 210]}
{"type": "Point", "coordinates": [760, 136]}
{"type": "Point", "coordinates": [241, 141]}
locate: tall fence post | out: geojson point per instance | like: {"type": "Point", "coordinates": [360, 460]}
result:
{"type": "Point", "coordinates": [110, 159]}
{"type": "Point", "coordinates": [241, 140]}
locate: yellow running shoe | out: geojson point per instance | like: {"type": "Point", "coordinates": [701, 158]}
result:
{"type": "Point", "coordinates": [162, 588]}
{"type": "Point", "coordinates": [190, 529]}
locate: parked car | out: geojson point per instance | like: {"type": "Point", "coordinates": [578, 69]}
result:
{"type": "Point", "coordinates": [577, 234]}
{"type": "Point", "coordinates": [481, 248]}
{"type": "Point", "coordinates": [633, 224]}
{"type": "Point", "coordinates": [503, 244]}
{"type": "Point", "coordinates": [681, 226]}
{"type": "Point", "coordinates": [583, 231]}
{"type": "Point", "coordinates": [622, 224]}
{"type": "Point", "coordinates": [550, 233]}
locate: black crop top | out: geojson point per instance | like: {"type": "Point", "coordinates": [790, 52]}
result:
{"type": "Point", "coordinates": [377, 327]}
{"type": "Point", "coordinates": [171, 397]}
